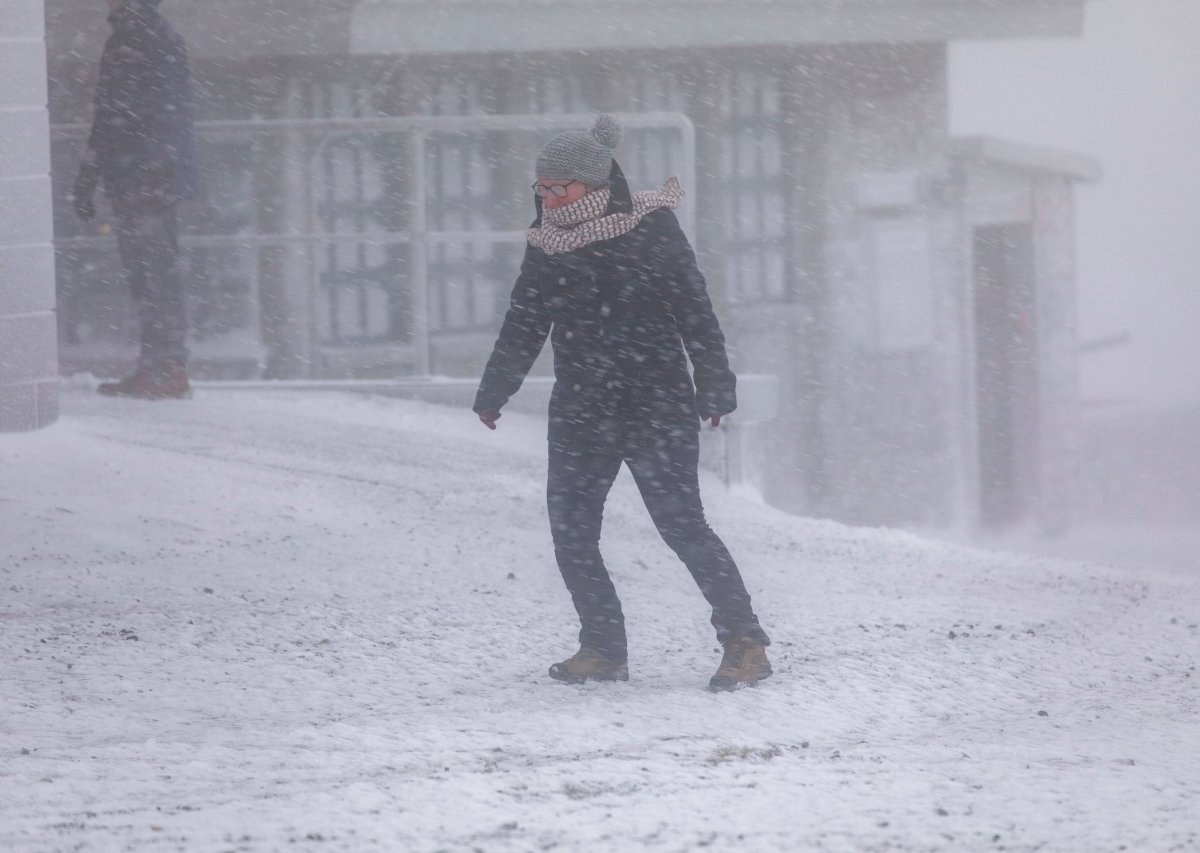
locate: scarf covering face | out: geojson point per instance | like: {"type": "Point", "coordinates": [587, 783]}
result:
{"type": "Point", "coordinates": [574, 226]}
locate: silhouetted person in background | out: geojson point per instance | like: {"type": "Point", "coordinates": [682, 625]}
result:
{"type": "Point", "coordinates": [610, 276]}
{"type": "Point", "coordinates": [142, 149]}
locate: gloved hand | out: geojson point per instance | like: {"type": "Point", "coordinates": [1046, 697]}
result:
{"type": "Point", "coordinates": [85, 188]}
{"type": "Point", "coordinates": [85, 205]}
{"type": "Point", "coordinates": [489, 418]}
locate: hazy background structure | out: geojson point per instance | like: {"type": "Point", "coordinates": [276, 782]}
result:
{"type": "Point", "coordinates": [28, 360]}
{"type": "Point", "coordinates": [912, 294]}
{"type": "Point", "coordinates": [1125, 94]}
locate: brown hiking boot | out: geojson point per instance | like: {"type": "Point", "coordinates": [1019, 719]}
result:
{"type": "Point", "coordinates": [744, 665]}
{"type": "Point", "coordinates": [587, 665]}
{"type": "Point", "coordinates": [169, 381]}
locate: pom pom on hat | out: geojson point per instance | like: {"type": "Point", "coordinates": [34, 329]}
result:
{"type": "Point", "coordinates": [608, 131]}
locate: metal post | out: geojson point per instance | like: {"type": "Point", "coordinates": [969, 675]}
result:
{"type": "Point", "coordinates": [420, 258]}
{"type": "Point", "coordinates": [688, 150]}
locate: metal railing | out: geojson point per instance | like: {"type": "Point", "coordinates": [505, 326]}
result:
{"type": "Point", "coordinates": [311, 139]}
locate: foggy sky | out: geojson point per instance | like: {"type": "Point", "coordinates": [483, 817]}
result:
{"type": "Point", "coordinates": [1128, 94]}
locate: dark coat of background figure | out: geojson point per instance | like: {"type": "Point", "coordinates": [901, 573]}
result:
{"type": "Point", "coordinates": [622, 312]}
{"type": "Point", "coordinates": [142, 144]}
{"type": "Point", "coordinates": [142, 150]}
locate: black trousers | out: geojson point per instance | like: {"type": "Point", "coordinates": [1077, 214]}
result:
{"type": "Point", "coordinates": [666, 475]}
{"type": "Point", "coordinates": [147, 240]}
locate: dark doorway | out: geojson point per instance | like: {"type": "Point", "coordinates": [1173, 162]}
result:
{"type": "Point", "coordinates": [1006, 372]}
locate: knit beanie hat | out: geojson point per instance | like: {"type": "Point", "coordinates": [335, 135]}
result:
{"type": "Point", "coordinates": [581, 155]}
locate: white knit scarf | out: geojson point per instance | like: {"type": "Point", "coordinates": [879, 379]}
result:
{"type": "Point", "coordinates": [581, 222]}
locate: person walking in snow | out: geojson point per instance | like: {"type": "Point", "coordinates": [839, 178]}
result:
{"type": "Point", "coordinates": [142, 149]}
{"type": "Point", "coordinates": [611, 276]}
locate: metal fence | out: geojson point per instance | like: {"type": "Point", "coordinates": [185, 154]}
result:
{"type": "Point", "coordinates": [314, 236]}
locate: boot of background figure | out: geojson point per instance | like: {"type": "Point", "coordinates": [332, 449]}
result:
{"type": "Point", "coordinates": [167, 381]}
{"type": "Point", "coordinates": [588, 665]}
{"type": "Point", "coordinates": [744, 664]}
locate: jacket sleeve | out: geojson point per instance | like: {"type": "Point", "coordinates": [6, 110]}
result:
{"type": "Point", "coordinates": [521, 338]}
{"type": "Point", "coordinates": [105, 113]}
{"type": "Point", "coordinates": [170, 106]}
{"type": "Point", "coordinates": [127, 95]}
{"type": "Point", "coordinates": [716, 384]}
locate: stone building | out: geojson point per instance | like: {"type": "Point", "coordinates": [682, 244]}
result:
{"type": "Point", "coordinates": [912, 293]}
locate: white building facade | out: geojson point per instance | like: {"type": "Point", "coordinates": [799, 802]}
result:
{"type": "Point", "coordinates": [28, 354]}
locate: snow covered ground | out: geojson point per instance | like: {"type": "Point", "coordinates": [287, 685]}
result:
{"type": "Point", "coordinates": [323, 623]}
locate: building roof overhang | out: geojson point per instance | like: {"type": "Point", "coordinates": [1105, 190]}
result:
{"type": "Point", "coordinates": [983, 150]}
{"type": "Point", "coordinates": [241, 29]}
{"type": "Point", "coordinates": [518, 26]}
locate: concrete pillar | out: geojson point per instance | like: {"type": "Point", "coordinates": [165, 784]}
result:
{"type": "Point", "coordinates": [287, 282]}
{"type": "Point", "coordinates": [28, 338]}
{"type": "Point", "coordinates": [706, 108]}
{"type": "Point", "coordinates": [798, 480]}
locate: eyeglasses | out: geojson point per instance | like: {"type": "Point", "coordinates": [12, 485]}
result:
{"type": "Point", "coordinates": [557, 190]}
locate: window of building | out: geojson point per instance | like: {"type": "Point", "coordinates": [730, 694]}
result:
{"type": "Point", "coordinates": [463, 271]}
{"type": "Point", "coordinates": [755, 249]}
{"type": "Point", "coordinates": [654, 154]}
{"type": "Point", "coordinates": [358, 277]}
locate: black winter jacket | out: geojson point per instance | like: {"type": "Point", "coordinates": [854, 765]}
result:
{"type": "Point", "coordinates": [623, 312]}
{"type": "Point", "coordinates": [142, 142]}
